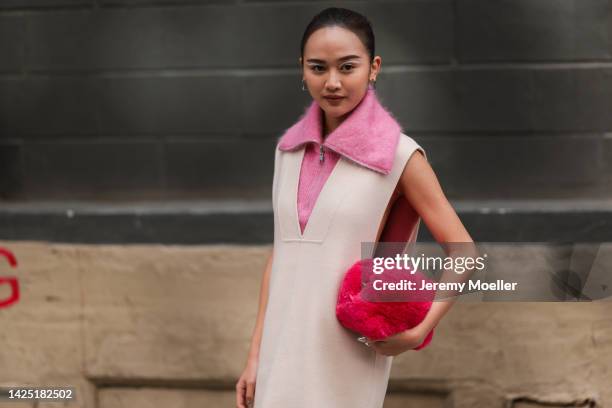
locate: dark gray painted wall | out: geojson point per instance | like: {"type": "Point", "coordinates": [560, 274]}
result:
{"type": "Point", "coordinates": [143, 99]}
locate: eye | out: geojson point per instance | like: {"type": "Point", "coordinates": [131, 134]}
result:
{"type": "Point", "coordinates": [315, 68]}
{"type": "Point", "coordinates": [350, 66]}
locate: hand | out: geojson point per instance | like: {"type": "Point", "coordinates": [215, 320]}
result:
{"type": "Point", "coordinates": [400, 342]}
{"type": "Point", "coordinates": [245, 387]}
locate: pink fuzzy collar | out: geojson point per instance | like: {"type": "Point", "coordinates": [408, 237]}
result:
{"type": "Point", "coordinates": [368, 136]}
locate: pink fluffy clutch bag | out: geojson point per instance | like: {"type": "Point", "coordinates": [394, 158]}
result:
{"type": "Point", "coordinates": [379, 319]}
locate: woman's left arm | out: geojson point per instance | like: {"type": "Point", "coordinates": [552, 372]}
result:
{"type": "Point", "coordinates": [422, 189]}
{"type": "Point", "coordinates": [420, 186]}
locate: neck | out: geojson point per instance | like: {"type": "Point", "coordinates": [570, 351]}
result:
{"type": "Point", "coordinates": [330, 124]}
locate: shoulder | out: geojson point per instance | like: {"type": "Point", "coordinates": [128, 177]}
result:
{"type": "Point", "coordinates": [417, 171]}
{"type": "Point", "coordinates": [406, 157]}
{"type": "Point", "coordinates": [407, 146]}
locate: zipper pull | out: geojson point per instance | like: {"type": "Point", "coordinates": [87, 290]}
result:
{"type": "Point", "coordinates": [321, 153]}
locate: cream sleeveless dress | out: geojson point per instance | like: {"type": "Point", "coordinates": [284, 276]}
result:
{"type": "Point", "coordinates": [306, 358]}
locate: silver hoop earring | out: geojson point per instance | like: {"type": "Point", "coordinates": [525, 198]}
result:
{"type": "Point", "coordinates": [303, 85]}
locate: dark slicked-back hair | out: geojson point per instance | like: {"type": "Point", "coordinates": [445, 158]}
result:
{"type": "Point", "coordinates": [342, 17]}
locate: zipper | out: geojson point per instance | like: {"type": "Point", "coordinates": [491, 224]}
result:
{"type": "Point", "coordinates": [321, 154]}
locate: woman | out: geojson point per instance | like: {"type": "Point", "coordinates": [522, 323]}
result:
{"type": "Point", "coordinates": [338, 171]}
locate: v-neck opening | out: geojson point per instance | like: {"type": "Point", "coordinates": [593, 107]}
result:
{"type": "Point", "coordinates": [321, 195]}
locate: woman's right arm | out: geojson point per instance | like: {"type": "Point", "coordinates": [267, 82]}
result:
{"type": "Point", "coordinates": [263, 302]}
{"type": "Point", "coordinates": [245, 387]}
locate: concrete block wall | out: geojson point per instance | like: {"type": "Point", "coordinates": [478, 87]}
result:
{"type": "Point", "coordinates": [137, 99]}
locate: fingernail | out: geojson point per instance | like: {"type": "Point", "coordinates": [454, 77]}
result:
{"type": "Point", "coordinates": [362, 339]}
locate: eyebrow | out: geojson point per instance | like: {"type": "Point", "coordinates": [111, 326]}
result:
{"type": "Point", "coordinates": [339, 59]}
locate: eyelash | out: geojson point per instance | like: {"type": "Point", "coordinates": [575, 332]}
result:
{"type": "Point", "coordinates": [314, 67]}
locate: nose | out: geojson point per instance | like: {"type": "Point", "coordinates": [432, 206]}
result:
{"type": "Point", "coordinates": [333, 81]}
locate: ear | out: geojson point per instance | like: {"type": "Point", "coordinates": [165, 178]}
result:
{"type": "Point", "coordinates": [376, 63]}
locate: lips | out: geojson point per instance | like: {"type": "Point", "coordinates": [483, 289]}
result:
{"type": "Point", "coordinates": [334, 98]}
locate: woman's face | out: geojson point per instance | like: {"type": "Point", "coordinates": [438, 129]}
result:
{"type": "Point", "coordinates": [337, 64]}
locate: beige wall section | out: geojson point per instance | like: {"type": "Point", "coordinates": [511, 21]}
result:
{"type": "Point", "coordinates": [159, 326]}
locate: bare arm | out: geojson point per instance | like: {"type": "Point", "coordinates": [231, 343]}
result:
{"type": "Point", "coordinates": [263, 302]}
{"type": "Point", "coordinates": [419, 184]}
{"type": "Point", "coordinates": [245, 387]}
{"type": "Point", "coordinates": [421, 187]}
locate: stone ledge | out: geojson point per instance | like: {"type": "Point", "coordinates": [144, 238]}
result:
{"type": "Point", "coordinates": [251, 222]}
